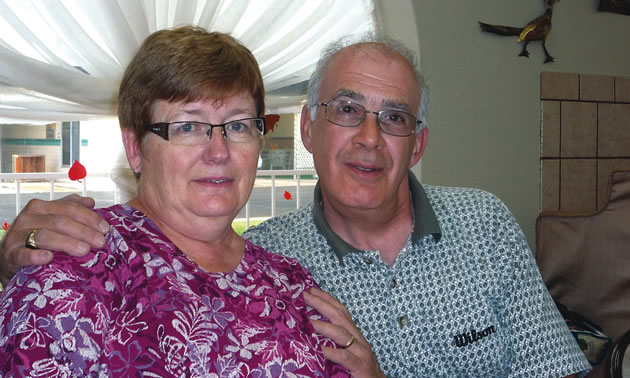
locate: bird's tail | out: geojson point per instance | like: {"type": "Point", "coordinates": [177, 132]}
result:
{"type": "Point", "coordinates": [499, 29]}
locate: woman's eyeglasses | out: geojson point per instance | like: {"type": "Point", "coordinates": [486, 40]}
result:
{"type": "Point", "coordinates": [192, 133]}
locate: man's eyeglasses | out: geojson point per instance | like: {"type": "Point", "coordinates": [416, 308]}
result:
{"type": "Point", "coordinates": [390, 121]}
{"type": "Point", "coordinates": [192, 133]}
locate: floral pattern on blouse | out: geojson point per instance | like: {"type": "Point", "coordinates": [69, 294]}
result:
{"type": "Point", "coordinates": [140, 307]}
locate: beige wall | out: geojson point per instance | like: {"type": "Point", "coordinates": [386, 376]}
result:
{"type": "Point", "coordinates": [585, 137]}
{"type": "Point", "coordinates": [284, 128]}
{"type": "Point", "coordinates": [99, 156]}
{"type": "Point", "coordinates": [52, 153]}
{"type": "Point", "coordinates": [484, 115]}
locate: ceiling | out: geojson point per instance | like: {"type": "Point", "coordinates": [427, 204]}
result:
{"type": "Point", "coordinates": [62, 60]}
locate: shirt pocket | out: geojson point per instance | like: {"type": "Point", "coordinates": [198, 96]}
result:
{"type": "Point", "coordinates": [479, 345]}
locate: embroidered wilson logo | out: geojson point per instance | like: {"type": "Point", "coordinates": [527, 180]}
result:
{"type": "Point", "coordinates": [467, 338]}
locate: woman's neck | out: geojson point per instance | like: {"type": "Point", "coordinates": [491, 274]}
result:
{"type": "Point", "coordinates": [210, 243]}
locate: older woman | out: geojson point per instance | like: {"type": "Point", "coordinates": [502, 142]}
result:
{"type": "Point", "coordinates": [175, 291]}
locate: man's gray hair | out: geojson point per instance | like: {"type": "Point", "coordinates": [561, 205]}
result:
{"type": "Point", "coordinates": [315, 82]}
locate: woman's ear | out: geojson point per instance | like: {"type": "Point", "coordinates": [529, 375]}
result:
{"type": "Point", "coordinates": [132, 149]}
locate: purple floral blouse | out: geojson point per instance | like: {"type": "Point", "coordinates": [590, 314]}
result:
{"type": "Point", "coordinates": [140, 307]}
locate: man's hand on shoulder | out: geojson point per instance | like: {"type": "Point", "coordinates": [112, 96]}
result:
{"type": "Point", "coordinates": [67, 225]}
{"type": "Point", "coordinates": [354, 353]}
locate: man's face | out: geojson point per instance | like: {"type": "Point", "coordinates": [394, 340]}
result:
{"type": "Point", "coordinates": [361, 167]}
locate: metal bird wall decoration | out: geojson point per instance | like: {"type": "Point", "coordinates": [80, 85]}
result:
{"type": "Point", "coordinates": [536, 30]}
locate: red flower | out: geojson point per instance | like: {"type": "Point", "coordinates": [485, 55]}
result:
{"type": "Point", "coordinates": [287, 195]}
{"type": "Point", "coordinates": [77, 171]}
{"type": "Point", "coordinates": [5, 226]}
{"type": "Point", "coordinates": [271, 121]}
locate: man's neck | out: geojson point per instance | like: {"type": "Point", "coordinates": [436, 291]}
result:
{"type": "Point", "coordinates": [384, 229]}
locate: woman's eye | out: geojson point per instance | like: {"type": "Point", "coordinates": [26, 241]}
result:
{"type": "Point", "coordinates": [237, 127]}
{"type": "Point", "coordinates": [185, 128]}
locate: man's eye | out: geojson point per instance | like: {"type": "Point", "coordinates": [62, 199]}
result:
{"type": "Point", "coordinates": [395, 117]}
{"type": "Point", "coordinates": [347, 109]}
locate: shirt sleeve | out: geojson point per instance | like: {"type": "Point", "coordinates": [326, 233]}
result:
{"type": "Point", "coordinates": [54, 318]}
{"type": "Point", "coordinates": [542, 343]}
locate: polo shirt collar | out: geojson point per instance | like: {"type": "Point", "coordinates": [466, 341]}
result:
{"type": "Point", "coordinates": [424, 220]}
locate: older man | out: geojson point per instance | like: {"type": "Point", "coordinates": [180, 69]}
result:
{"type": "Point", "coordinates": [440, 281]}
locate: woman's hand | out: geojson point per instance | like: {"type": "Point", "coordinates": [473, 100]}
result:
{"type": "Point", "coordinates": [354, 352]}
{"type": "Point", "coordinates": [66, 225]}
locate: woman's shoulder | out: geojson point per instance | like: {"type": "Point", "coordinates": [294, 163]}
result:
{"type": "Point", "coordinates": [131, 230]}
{"type": "Point", "coordinates": [103, 264]}
{"type": "Point", "coordinates": [259, 252]}
{"type": "Point", "coordinates": [121, 214]}
{"type": "Point", "coordinates": [275, 264]}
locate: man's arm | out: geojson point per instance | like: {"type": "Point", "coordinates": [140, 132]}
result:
{"type": "Point", "coordinates": [51, 318]}
{"type": "Point", "coordinates": [357, 357]}
{"type": "Point", "coordinates": [67, 224]}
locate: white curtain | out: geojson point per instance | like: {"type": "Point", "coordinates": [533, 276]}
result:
{"type": "Point", "coordinates": [62, 60]}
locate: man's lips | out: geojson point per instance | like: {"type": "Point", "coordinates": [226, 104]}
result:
{"type": "Point", "coordinates": [363, 167]}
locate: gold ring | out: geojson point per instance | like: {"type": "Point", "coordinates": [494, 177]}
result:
{"type": "Point", "coordinates": [349, 343]}
{"type": "Point", "coordinates": [30, 240]}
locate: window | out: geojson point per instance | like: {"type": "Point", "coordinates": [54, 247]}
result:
{"type": "Point", "coordinates": [70, 142]}
{"type": "Point", "coordinates": [50, 130]}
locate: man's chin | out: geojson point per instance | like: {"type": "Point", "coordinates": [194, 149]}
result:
{"type": "Point", "coordinates": [362, 201]}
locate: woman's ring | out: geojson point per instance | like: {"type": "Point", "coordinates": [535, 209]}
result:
{"type": "Point", "coordinates": [349, 343]}
{"type": "Point", "coordinates": [30, 240]}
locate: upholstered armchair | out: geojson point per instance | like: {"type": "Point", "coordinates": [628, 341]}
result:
{"type": "Point", "coordinates": [585, 261]}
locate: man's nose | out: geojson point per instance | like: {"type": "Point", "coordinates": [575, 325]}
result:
{"type": "Point", "coordinates": [369, 134]}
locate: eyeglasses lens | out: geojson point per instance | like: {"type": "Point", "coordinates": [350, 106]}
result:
{"type": "Point", "coordinates": [195, 133]}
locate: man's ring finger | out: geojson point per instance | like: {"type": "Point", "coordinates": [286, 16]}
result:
{"type": "Point", "coordinates": [349, 343]}
{"type": "Point", "coordinates": [30, 240]}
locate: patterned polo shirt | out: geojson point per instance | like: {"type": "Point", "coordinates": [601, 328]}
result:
{"type": "Point", "coordinates": [464, 297]}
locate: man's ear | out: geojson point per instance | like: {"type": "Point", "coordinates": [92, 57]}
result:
{"type": "Point", "coordinates": [420, 143]}
{"type": "Point", "coordinates": [306, 127]}
{"type": "Point", "coordinates": [132, 149]}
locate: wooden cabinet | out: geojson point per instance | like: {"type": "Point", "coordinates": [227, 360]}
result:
{"type": "Point", "coordinates": [29, 163]}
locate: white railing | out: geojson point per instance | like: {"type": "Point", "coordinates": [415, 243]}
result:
{"type": "Point", "coordinates": [53, 178]}
{"type": "Point", "coordinates": [273, 174]}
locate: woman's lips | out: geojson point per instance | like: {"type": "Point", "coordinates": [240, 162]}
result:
{"type": "Point", "coordinates": [215, 181]}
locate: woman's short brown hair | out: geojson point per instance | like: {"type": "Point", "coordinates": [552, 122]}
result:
{"type": "Point", "coordinates": [186, 64]}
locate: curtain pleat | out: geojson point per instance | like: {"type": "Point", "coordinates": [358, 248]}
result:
{"type": "Point", "coordinates": [63, 59]}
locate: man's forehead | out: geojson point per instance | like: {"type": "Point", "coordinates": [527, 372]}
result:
{"type": "Point", "coordinates": [362, 98]}
{"type": "Point", "coordinates": [372, 73]}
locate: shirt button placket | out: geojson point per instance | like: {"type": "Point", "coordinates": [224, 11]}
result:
{"type": "Point", "coordinates": [393, 283]}
{"type": "Point", "coordinates": [403, 321]}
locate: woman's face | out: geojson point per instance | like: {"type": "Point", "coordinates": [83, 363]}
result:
{"type": "Point", "coordinates": [184, 185]}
